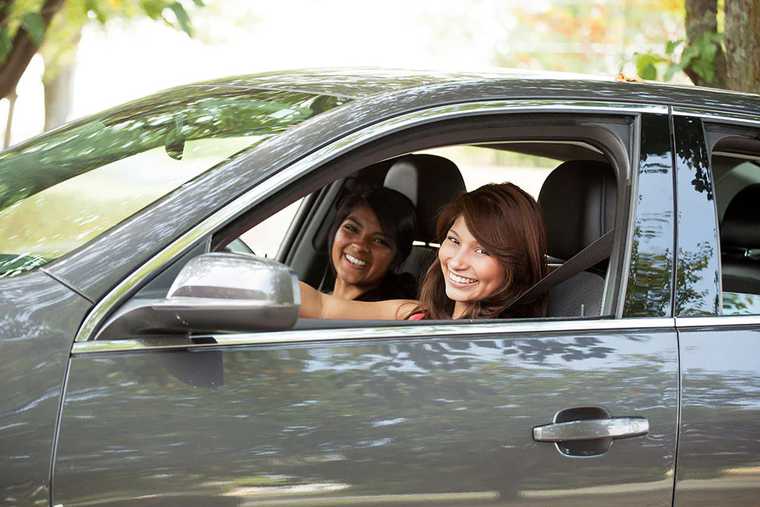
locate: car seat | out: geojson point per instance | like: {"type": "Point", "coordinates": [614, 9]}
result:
{"type": "Point", "coordinates": [431, 182]}
{"type": "Point", "coordinates": [578, 201]}
{"type": "Point", "coordinates": [740, 242]}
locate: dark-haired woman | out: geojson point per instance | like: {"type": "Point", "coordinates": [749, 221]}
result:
{"type": "Point", "coordinates": [493, 247]}
{"type": "Point", "coordinates": [371, 236]}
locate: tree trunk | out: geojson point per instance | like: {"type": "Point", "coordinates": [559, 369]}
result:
{"type": "Point", "coordinates": [58, 95]}
{"type": "Point", "coordinates": [23, 49]}
{"type": "Point", "coordinates": [58, 81]}
{"type": "Point", "coordinates": [742, 45]}
{"type": "Point", "coordinates": [701, 18]}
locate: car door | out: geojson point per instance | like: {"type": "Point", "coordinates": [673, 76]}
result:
{"type": "Point", "coordinates": [719, 450]}
{"type": "Point", "coordinates": [444, 413]}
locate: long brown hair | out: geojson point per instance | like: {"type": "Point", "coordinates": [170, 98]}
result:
{"type": "Point", "coordinates": [507, 222]}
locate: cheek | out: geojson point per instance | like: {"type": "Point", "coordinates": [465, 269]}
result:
{"type": "Point", "coordinates": [382, 258]}
{"type": "Point", "coordinates": [338, 243]}
{"type": "Point", "coordinates": [494, 272]}
{"type": "Point", "coordinates": [443, 253]}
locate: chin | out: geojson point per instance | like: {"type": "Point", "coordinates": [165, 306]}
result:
{"type": "Point", "coordinates": [456, 295]}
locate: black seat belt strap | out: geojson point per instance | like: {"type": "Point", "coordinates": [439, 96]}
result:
{"type": "Point", "coordinates": [593, 254]}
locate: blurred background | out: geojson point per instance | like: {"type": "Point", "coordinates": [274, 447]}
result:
{"type": "Point", "coordinates": [63, 59]}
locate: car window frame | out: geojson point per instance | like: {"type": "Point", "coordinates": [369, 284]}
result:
{"type": "Point", "coordinates": [278, 188]}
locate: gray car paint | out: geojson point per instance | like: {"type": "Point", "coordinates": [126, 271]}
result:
{"type": "Point", "coordinates": [38, 320]}
{"type": "Point", "coordinates": [385, 421]}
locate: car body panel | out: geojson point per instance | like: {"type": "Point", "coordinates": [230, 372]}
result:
{"type": "Point", "coordinates": [719, 449]}
{"type": "Point", "coordinates": [38, 319]}
{"type": "Point", "coordinates": [377, 421]}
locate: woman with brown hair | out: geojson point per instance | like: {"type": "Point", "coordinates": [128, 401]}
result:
{"type": "Point", "coordinates": [493, 248]}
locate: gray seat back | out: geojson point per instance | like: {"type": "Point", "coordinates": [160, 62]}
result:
{"type": "Point", "coordinates": [430, 182]}
{"type": "Point", "coordinates": [578, 201]}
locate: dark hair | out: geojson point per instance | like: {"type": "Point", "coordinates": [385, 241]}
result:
{"type": "Point", "coordinates": [507, 222]}
{"type": "Point", "coordinates": [394, 211]}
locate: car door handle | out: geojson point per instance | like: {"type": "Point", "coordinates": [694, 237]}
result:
{"type": "Point", "coordinates": [592, 429]}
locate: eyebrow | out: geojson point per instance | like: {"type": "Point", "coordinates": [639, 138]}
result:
{"type": "Point", "coordinates": [354, 220]}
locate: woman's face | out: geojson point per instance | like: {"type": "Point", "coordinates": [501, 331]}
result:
{"type": "Point", "coordinates": [361, 252]}
{"type": "Point", "coordinates": [470, 273]}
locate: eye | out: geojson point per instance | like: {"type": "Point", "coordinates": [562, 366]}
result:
{"type": "Point", "coordinates": [482, 251]}
{"type": "Point", "coordinates": [452, 239]}
{"type": "Point", "coordinates": [350, 227]}
{"type": "Point", "coordinates": [382, 242]}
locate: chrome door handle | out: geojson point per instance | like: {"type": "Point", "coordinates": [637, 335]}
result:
{"type": "Point", "coordinates": [591, 429]}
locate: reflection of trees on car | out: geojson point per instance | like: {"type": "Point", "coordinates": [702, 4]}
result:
{"type": "Point", "coordinates": [357, 409]}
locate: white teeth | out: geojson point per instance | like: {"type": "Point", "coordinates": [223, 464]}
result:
{"type": "Point", "coordinates": [461, 279]}
{"type": "Point", "coordinates": [356, 262]}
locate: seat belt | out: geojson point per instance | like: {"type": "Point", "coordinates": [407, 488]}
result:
{"type": "Point", "coordinates": [593, 254]}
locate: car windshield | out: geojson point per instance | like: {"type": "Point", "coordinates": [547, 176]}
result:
{"type": "Point", "coordinates": [63, 189]}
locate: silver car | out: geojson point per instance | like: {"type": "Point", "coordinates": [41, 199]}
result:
{"type": "Point", "coordinates": [148, 358]}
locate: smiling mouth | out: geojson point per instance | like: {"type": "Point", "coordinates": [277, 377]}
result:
{"type": "Point", "coordinates": [354, 261]}
{"type": "Point", "coordinates": [461, 280]}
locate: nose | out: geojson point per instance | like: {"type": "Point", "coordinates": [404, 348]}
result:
{"type": "Point", "coordinates": [460, 260]}
{"type": "Point", "coordinates": [362, 244]}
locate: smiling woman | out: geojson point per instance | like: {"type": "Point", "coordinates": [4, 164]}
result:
{"type": "Point", "coordinates": [493, 248]}
{"type": "Point", "coordinates": [371, 236]}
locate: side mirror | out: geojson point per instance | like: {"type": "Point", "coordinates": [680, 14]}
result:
{"type": "Point", "coordinates": [214, 292]}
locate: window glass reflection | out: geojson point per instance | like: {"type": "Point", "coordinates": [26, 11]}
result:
{"type": "Point", "coordinates": [61, 190]}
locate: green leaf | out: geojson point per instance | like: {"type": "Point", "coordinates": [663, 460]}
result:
{"type": "Point", "coordinates": [689, 54]}
{"type": "Point", "coordinates": [153, 8]}
{"type": "Point", "coordinates": [671, 46]}
{"type": "Point", "coordinates": [199, 3]}
{"type": "Point", "coordinates": [704, 69]}
{"type": "Point", "coordinates": [34, 26]}
{"type": "Point", "coordinates": [645, 65]}
{"type": "Point", "coordinates": [182, 18]}
{"type": "Point", "coordinates": [5, 43]}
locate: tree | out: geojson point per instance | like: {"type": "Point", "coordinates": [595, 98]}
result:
{"type": "Point", "coordinates": [53, 29]}
{"type": "Point", "coordinates": [727, 58]}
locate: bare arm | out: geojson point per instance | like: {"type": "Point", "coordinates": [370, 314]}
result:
{"type": "Point", "coordinates": [317, 305]}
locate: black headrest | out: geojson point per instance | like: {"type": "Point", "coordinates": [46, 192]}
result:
{"type": "Point", "coordinates": [741, 222]}
{"type": "Point", "coordinates": [578, 200]}
{"type": "Point", "coordinates": [430, 182]}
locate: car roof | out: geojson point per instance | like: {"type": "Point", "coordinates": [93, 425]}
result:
{"type": "Point", "coordinates": [367, 83]}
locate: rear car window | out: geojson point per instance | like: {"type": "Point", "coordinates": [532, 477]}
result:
{"type": "Point", "coordinates": [737, 191]}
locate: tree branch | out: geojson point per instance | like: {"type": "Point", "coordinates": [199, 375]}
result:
{"type": "Point", "coordinates": [23, 50]}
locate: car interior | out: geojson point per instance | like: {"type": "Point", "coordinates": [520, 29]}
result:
{"type": "Point", "coordinates": [735, 160]}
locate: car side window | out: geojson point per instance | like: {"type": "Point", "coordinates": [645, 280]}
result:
{"type": "Point", "coordinates": [564, 176]}
{"type": "Point", "coordinates": [737, 192]}
{"type": "Point", "coordinates": [265, 238]}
